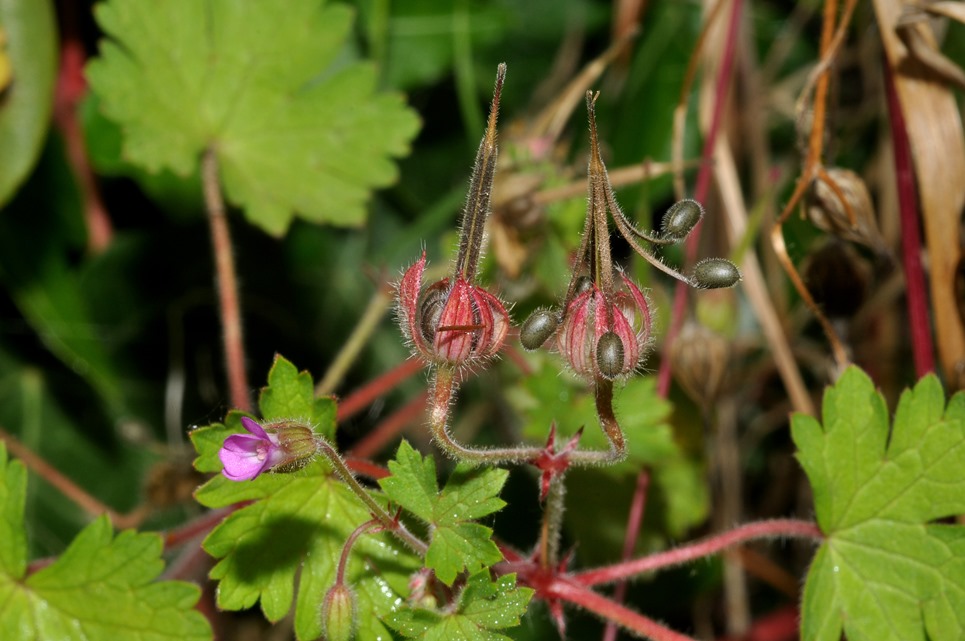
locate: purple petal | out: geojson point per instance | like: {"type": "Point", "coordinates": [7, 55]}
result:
{"type": "Point", "coordinates": [244, 457]}
{"type": "Point", "coordinates": [254, 427]}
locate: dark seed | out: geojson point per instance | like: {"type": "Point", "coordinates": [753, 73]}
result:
{"type": "Point", "coordinates": [609, 355]}
{"type": "Point", "coordinates": [540, 325]}
{"type": "Point", "coordinates": [430, 310]}
{"type": "Point", "coordinates": [681, 218]}
{"type": "Point", "coordinates": [715, 273]}
{"type": "Point", "coordinates": [583, 284]}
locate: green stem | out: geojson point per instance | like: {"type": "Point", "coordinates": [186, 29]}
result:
{"type": "Point", "coordinates": [386, 520]}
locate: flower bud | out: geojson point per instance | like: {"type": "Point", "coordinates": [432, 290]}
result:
{"type": "Point", "coordinates": [537, 329]}
{"type": "Point", "coordinates": [681, 218]}
{"type": "Point", "coordinates": [284, 446]}
{"type": "Point", "coordinates": [714, 273]}
{"type": "Point", "coordinates": [338, 613]}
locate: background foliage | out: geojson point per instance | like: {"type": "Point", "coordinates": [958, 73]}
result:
{"type": "Point", "coordinates": [110, 341]}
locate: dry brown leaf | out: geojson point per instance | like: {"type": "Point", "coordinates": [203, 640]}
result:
{"type": "Point", "coordinates": [935, 134]}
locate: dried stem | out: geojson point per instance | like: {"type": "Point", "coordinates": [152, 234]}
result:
{"type": "Point", "coordinates": [830, 40]}
{"type": "Point", "coordinates": [227, 283]}
{"type": "Point", "coordinates": [378, 305]}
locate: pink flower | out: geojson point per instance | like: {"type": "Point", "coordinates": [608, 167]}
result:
{"type": "Point", "coordinates": [284, 446]}
{"type": "Point", "coordinates": [605, 340]}
{"type": "Point", "coordinates": [452, 321]}
{"type": "Point", "coordinates": [245, 456]}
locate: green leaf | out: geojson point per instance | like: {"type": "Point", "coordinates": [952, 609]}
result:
{"type": "Point", "coordinates": [291, 395]}
{"type": "Point", "coordinates": [470, 493]}
{"type": "Point", "coordinates": [284, 547]}
{"type": "Point", "coordinates": [295, 529]}
{"type": "Point", "coordinates": [295, 127]}
{"type": "Point", "coordinates": [885, 571]}
{"type": "Point", "coordinates": [31, 52]}
{"type": "Point", "coordinates": [69, 598]}
{"type": "Point", "coordinates": [483, 606]}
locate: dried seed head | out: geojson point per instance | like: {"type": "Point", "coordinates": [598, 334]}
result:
{"type": "Point", "coordinates": [714, 273]}
{"type": "Point", "coordinates": [681, 219]}
{"type": "Point", "coordinates": [610, 355]}
{"type": "Point", "coordinates": [699, 358]}
{"type": "Point", "coordinates": [850, 219]}
{"type": "Point", "coordinates": [537, 329]}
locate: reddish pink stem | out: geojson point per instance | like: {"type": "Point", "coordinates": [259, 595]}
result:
{"type": "Point", "coordinates": [361, 398]}
{"type": "Point", "coordinates": [634, 521]}
{"type": "Point", "coordinates": [610, 610]}
{"type": "Point", "coordinates": [701, 189]}
{"type": "Point", "coordinates": [921, 340]}
{"type": "Point", "coordinates": [776, 528]}
{"type": "Point", "coordinates": [389, 428]}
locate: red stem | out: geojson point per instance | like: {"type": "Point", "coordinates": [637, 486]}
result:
{"type": "Point", "coordinates": [791, 528]}
{"type": "Point", "coordinates": [389, 428]}
{"type": "Point", "coordinates": [207, 521]}
{"type": "Point", "coordinates": [612, 611]}
{"type": "Point", "coordinates": [224, 261]}
{"type": "Point", "coordinates": [635, 519]}
{"type": "Point", "coordinates": [359, 399]}
{"type": "Point", "coordinates": [921, 340]}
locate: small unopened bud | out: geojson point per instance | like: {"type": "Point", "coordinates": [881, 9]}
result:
{"type": "Point", "coordinates": [537, 329]}
{"type": "Point", "coordinates": [298, 443]}
{"type": "Point", "coordinates": [714, 273]}
{"type": "Point", "coordinates": [338, 613]}
{"type": "Point", "coordinates": [681, 219]}
{"type": "Point", "coordinates": [610, 355]}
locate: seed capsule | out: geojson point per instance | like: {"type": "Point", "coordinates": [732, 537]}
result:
{"type": "Point", "coordinates": [540, 325]}
{"type": "Point", "coordinates": [430, 310]}
{"type": "Point", "coordinates": [715, 273]}
{"type": "Point", "coordinates": [681, 218]}
{"type": "Point", "coordinates": [609, 355]}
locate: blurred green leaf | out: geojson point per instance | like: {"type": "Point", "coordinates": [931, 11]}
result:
{"type": "Point", "coordinates": [28, 42]}
{"type": "Point", "coordinates": [295, 128]}
{"type": "Point", "coordinates": [67, 599]}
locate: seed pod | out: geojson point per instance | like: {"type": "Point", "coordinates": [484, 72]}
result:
{"type": "Point", "coordinates": [699, 358]}
{"type": "Point", "coordinates": [583, 284]}
{"type": "Point", "coordinates": [338, 613]}
{"type": "Point", "coordinates": [610, 355]}
{"type": "Point", "coordinates": [430, 309]}
{"type": "Point", "coordinates": [537, 329]}
{"type": "Point", "coordinates": [681, 218]}
{"type": "Point", "coordinates": [828, 212]}
{"type": "Point", "coordinates": [714, 273]}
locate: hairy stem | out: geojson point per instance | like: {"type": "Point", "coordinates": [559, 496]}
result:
{"type": "Point", "coordinates": [610, 610]}
{"type": "Point", "coordinates": [549, 540]}
{"type": "Point", "coordinates": [347, 549]}
{"type": "Point", "coordinates": [386, 520]}
{"type": "Point", "coordinates": [776, 528]}
{"type": "Point", "coordinates": [227, 283]}
{"type": "Point", "coordinates": [634, 520]}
